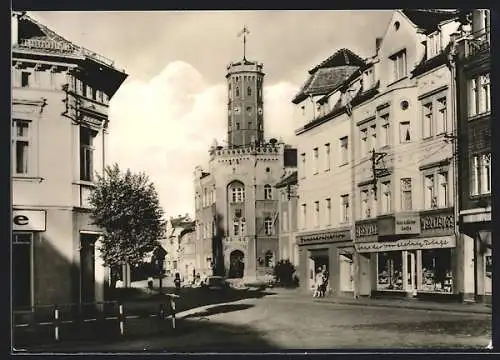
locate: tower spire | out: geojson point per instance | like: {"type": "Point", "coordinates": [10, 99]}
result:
{"type": "Point", "coordinates": [244, 32]}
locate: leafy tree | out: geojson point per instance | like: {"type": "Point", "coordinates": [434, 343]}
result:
{"type": "Point", "coordinates": [126, 206]}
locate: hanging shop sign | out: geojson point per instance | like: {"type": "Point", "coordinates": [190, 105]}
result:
{"type": "Point", "coordinates": [28, 220]}
{"type": "Point", "coordinates": [438, 242]}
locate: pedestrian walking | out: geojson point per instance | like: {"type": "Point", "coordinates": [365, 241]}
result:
{"type": "Point", "coordinates": [177, 283]}
{"type": "Point", "coordinates": [324, 283]}
{"type": "Point", "coordinates": [317, 283]}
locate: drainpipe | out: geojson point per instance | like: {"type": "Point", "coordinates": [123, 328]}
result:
{"type": "Point", "coordinates": [451, 63]}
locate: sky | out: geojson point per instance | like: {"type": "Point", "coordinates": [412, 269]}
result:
{"type": "Point", "coordinates": [172, 106]}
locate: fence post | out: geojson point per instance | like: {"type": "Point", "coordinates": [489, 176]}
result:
{"type": "Point", "coordinates": [56, 323]}
{"type": "Point", "coordinates": [121, 318]}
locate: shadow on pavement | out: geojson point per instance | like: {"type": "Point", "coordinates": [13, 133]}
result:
{"type": "Point", "coordinates": [221, 309]}
{"type": "Point", "coordinates": [190, 335]}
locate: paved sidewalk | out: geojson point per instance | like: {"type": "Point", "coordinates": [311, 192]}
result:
{"type": "Point", "coordinates": [458, 307]}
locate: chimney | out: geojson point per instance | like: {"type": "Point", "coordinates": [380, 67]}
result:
{"type": "Point", "coordinates": [378, 41]}
{"type": "Point", "coordinates": [14, 28]}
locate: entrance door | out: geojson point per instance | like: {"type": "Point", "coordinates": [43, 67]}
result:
{"type": "Point", "coordinates": [411, 270]}
{"type": "Point", "coordinates": [87, 268]}
{"type": "Point", "coordinates": [236, 265]}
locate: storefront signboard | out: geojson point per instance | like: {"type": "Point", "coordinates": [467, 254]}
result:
{"type": "Point", "coordinates": [437, 223]}
{"type": "Point", "coordinates": [438, 242]}
{"type": "Point", "coordinates": [344, 235]}
{"type": "Point", "coordinates": [28, 220]}
{"type": "Point", "coordinates": [366, 229]}
{"type": "Point", "coordinates": [407, 224]}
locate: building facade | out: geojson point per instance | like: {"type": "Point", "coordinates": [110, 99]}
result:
{"type": "Point", "coordinates": [473, 66]}
{"type": "Point", "coordinates": [235, 199]}
{"type": "Point", "coordinates": [324, 174]}
{"type": "Point", "coordinates": [176, 227]}
{"type": "Point", "coordinates": [60, 99]}
{"type": "Point", "coordinates": [187, 253]}
{"type": "Point", "coordinates": [288, 225]}
{"type": "Point", "coordinates": [398, 111]}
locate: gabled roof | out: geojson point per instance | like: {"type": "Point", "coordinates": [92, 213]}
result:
{"type": "Point", "coordinates": [339, 58]}
{"type": "Point", "coordinates": [429, 19]}
{"type": "Point", "coordinates": [289, 180]}
{"type": "Point", "coordinates": [329, 74]}
{"type": "Point", "coordinates": [323, 81]}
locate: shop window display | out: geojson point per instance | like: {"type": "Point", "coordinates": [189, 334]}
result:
{"type": "Point", "coordinates": [436, 271]}
{"type": "Point", "coordinates": [390, 271]}
{"type": "Point", "coordinates": [488, 268]}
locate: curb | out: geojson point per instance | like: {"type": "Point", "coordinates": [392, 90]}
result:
{"type": "Point", "coordinates": [409, 306]}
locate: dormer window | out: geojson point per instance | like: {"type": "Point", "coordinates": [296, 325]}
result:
{"type": "Point", "coordinates": [433, 44]}
{"type": "Point", "coordinates": [399, 65]}
{"type": "Point", "coordinates": [368, 79]}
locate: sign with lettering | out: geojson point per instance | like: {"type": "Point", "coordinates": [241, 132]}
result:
{"type": "Point", "coordinates": [366, 229]}
{"type": "Point", "coordinates": [438, 242]}
{"type": "Point", "coordinates": [437, 222]}
{"type": "Point", "coordinates": [28, 220]}
{"type": "Point", "coordinates": [407, 224]}
{"type": "Point", "coordinates": [344, 235]}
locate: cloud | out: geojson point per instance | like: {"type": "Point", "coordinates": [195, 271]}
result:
{"type": "Point", "coordinates": [165, 126]}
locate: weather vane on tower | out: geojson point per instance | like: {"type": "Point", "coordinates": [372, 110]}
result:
{"type": "Point", "coordinates": [244, 32]}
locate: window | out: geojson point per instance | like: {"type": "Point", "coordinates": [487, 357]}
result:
{"type": "Point", "coordinates": [427, 121]}
{"type": "Point", "coordinates": [429, 199]}
{"type": "Point", "coordinates": [344, 148]}
{"type": "Point", "coordinates": [344, 213]}
{"type": "Point", "coordinates": [304, 215]}
{"type": "Point", "coordinates": [21, 270]}
{"type": "Point", "coordinates": [94, 93]}
{"type": "Point", "coordinates": [25, 79]}
{"type": "Point", "coordinates": [364, 198]}
{"type": "Point", "coordinates": [268, 195]}
{"type": "Point", "coordinates": [399, 65]}
{"type": "Point", "coordinates": [369, 79]}
{"type": "Point", "coordinates": [327, 157]}
{"type": "Point", "coordinates": [442, 198]}
{"type": "Point", "coordinates": [237, 126]}
{"type": "Point", "coordinates": [481, 174]}
{"type": "Point", "coordinates": [385, 131]}
{"type": "Point", "coordinates": [236, 227]}
{"type": "Point", "coordinates": [406, 194]}
{"type": "Point", "coordinates": [315, 160]}
{"type": "Point", "coordinates": [249, 124]}
{"type": "Point", "coordinates": [238, 194]}
{"type": "Point", "coordinates": [364, 142]}
{"type": "Point", "coordinates": [21, 143]}
{"type": "Point", "coordinates": [441, 116]}
{"type": "Point", "coordinates": [437, 270]}
{"type": "Point", "coordinates": [390, 270]}
{"type": "Point", "coordinates": [303, 161]}
{"type": "Point", "coordinates": [373, 137]}
{"type": "Point", "coordinates": [328, 207]}
{"type": "Point", "coordinates": [316, 214]}
{"type": "Point", "coordinates": [386, 197]}
{"type": "Point", "coordinates": [242, 226]}
{"type": "Point", "coordinates": [404, 132]}
{"type": "Point", "coordinates": [86, 153]}
{"type": "Point", "coordinates": [249, 91]}
{"type": "Point", "coordinates": [237, 91]}
{"type": "Point", "coordinates": [479, 95]}
{"type": "Point", "coordinates": [284, 220]}
{"type": "Point", "coordinates": [268, 226]}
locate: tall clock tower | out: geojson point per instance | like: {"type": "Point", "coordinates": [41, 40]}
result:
{"type": "Point", "coordinates": [245, 121]}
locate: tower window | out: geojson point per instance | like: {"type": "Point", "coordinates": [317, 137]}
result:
{"type": "Point", "coordinates": [249, 109]}
{"type": "Point", "coordinates": [237, 126]}
{"type": "Point", "coordinates": [249, 91]}
{"type": "Point", "coordinates": [237, 91]}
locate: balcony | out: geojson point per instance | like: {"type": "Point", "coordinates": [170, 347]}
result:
{"type": "Point", "coordinates": [478, 43]}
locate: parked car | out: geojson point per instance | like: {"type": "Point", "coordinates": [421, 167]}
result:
{"type": "Point", "coordinates": [215, 283]}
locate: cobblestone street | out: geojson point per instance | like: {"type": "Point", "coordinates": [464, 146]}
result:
{"type": "Point", "coordinates": [279, 322]}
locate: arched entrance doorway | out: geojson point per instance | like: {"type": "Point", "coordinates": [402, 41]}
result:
{"type": "Point", "coordinates": [236, 264]}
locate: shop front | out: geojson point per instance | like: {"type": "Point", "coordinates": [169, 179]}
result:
{"type": "Point", "coordinates": [330, 251]}
{"type": "Point", "coordinates": [414, 255]}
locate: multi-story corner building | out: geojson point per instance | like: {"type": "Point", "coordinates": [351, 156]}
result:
{"type": "Point", "coordinates": [60, 99]}
{"type": "Point", "coordinates": [235, 198]}
{"type": "Point", "coordinates": [324, 173]}
{"type": "Point", "coordinates": [398, 116]}
{"type": "Point", "coordinates": [288, 210]}
{"type": "Point", "coordinates": [473, 66]}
